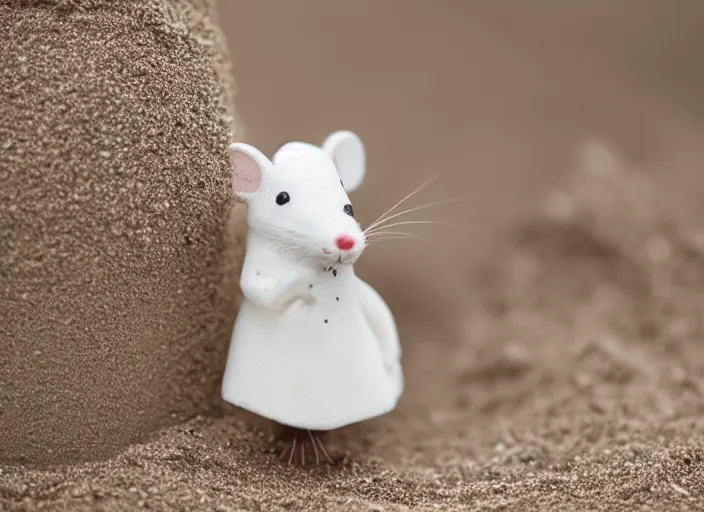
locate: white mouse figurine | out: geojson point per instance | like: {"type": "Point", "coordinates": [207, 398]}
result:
{"type": "Point", "coordinates": [314, 347]}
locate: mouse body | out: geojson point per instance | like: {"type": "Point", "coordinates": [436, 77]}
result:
{"type": "Point", "coordinates": [314, 347]}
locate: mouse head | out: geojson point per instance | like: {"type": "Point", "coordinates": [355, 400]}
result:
{"type": "Point", "coordinates": [299, 198]}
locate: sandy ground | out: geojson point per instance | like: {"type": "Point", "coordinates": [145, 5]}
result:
{"type": "Point", "coordinates": [553, 349]}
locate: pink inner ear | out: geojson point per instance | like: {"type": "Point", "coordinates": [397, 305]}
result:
{"type": "Point", "coordinates": [246, 174]}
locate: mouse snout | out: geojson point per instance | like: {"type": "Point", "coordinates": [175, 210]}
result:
{"type": "Point", "coordinates": [345, 242]}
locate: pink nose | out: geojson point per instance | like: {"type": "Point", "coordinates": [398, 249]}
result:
{"type": "Point", "coordinates": [345, 242]}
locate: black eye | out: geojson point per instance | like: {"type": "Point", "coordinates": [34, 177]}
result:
{"type": "Point", "coordinates": [349, 210]}
{"type": "Point", "coordinates": [282, 198]}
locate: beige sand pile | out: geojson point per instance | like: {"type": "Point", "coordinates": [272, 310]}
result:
{"type": "Point", "coordinates": [113, 199]}
{"type": "Point", "coordinates": [575, 384]}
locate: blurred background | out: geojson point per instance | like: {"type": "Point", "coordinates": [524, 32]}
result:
{"type": "Point", "coordinates": [497, 97]}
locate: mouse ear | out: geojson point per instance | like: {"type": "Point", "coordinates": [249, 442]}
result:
{"type": "Point", "coordinates": [247, 164]}
{"type": "Point", "coordinates": [347, 151]}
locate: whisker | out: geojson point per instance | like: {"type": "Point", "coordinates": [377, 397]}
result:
{"type": "Point", "coordinates": [421, 207]}
{"type": "Point", "coordinates": [377, 234]}
{"type": "Point", "coordinates": [377, 242]}
{"type": "Point", "coordinates": [381, 229]}
{"type": "Point", "coordinates": [322, 448]}
{"type": "Point", "coordinates": [315, 447]}
{"type": "Point", "coordinates": [395, 234]}
{"type": "Point", "coordinates": [378, 245]}
{"type": "Point", "coordinates": [427, 182]}
{"type": "Point", "coordinates": [293, 450]}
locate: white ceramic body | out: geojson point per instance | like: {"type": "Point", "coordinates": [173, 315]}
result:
{"type": "Point", "coordinates": [318, 364]}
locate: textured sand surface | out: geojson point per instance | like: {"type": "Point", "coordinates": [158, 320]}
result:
{"type": "Point", "coordinates": [575, 385]}
{"type": "Point", "coordinates": [112, 208]}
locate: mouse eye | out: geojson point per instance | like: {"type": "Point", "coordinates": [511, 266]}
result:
{"type": "Point", "coordinates": [282, 198]}
{"type": "Point", "coordinates": [349, 210]}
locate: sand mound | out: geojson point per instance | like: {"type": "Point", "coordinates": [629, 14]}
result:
{"type": "Point", "coordinates": [574, 384]}
{"type": "Point", "coordinates": [112, 211]}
